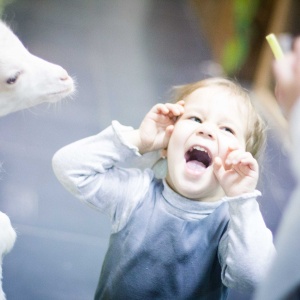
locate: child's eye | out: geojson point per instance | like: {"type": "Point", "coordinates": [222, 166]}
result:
{"type": "Point", "coordinates": [228, 130]}
{"type": "Point", "coordinates": [195, 119]}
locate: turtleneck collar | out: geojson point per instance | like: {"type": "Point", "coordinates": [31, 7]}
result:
{"type": "Point", "coordinates": [187, 208]}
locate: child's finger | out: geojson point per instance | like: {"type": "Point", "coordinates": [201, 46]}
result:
{"type": "Point", "coordinates": [174, 109]}
{"type": "Point", "coordinates": [161, 108]}
{"type": "Point", "coordinates": [169, 130]}
{"type": "Point", "coordinates": [181, 103]}
{"type": "Point", "coordinates": [240, 157]}
{"type": "Point", "coordinates": [244, 159]}
{"type": "Point", "coordinates": [218, 167]}
{"type": "Point", "coordinates": [231, 150]}
{"type": "Point", "coordinates": [251, 163]}
{"type": "Point", "coordinates": [167, 135]}
{"type": "Point", "coordinates": [237, 156]}
{"type": "Point", "coordinates": [233, 157]}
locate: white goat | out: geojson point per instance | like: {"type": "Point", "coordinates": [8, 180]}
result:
{"type": "Point", "coordinates": [25, 81]}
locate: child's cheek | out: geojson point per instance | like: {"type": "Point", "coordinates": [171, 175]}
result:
{"type": "Point", "coordinates": [226, 144]}
{"type": "Point", "coordinates": [236, 144]}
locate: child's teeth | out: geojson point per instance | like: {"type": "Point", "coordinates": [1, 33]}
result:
{"type": "Point", "coordinates": [199, 148]}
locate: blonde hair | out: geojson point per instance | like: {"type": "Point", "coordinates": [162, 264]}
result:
{"type": "Point", "coordinates": [256, 129]}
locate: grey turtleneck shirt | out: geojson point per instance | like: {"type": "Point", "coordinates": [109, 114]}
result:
{"type": "Point", "coordinates": [162, 245]}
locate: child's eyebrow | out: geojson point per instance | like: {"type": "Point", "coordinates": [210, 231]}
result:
{"type": "Point", "coordinates": [231, 121]}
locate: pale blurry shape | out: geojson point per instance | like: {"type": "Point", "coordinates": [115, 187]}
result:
{"type": "Point", "coordinates": [211, 68]}
{"type": "Point", "coordinates": [23, 202]}
{"type": "Point", "coordinates": [286, 41]}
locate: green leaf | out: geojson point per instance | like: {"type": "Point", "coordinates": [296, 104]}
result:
{"type": "Point", "coordinates": [234, 54]}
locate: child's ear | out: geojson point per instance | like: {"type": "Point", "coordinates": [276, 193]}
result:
{"type": "Point", "coordinates": [163, 153]}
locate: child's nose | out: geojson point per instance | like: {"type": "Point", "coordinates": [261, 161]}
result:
{"type": "Point", "coordinates": [206, 132]}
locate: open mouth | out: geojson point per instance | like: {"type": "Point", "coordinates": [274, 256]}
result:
{"type": "Point", "coordinates": [198, 157]}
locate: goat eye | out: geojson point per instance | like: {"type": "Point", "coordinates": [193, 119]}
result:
{"type": "Point", "coordinates": [13, 79]}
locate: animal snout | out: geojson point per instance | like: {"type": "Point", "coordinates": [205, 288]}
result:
{"type": "Point", "coordinates": [63, 76]}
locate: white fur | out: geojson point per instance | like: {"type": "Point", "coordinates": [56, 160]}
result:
{"type": "Point", "coordinates": [7, 240]}
{"type": "Point", "coordinates": [37, 80]}
{"type": "Point", "coordinates": [25, 80]}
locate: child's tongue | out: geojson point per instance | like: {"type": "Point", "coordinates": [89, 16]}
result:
{"type": "Point", "coordinates": [195, 165]}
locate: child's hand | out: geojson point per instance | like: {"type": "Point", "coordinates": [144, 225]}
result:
{"type": "Point", "coordinates": [238, 174]}
{"type": "Point", "coordinates": [157, 126]}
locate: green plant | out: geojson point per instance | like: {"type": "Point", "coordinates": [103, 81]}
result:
{"type": "Point", "coordinates": [237, 48]}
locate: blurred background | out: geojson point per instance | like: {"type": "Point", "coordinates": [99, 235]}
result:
{"type": "Point", "coordinates": [125, 56]}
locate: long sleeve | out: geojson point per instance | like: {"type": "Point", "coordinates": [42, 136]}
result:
{"type": "Point", "coordinates": [88, 169]}
{"type": "Point", "coordinates": [246, 249]}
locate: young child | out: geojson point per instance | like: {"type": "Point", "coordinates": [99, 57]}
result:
{"type": "Point", "coordinates": [195, 233]}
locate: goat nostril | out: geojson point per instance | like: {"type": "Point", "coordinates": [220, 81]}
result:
{"type": "Point", "coordinates": [64, 78]}
{"type": "Point", "coordinates": [63, 75]}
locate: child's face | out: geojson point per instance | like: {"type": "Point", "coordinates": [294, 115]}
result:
{"type": "Point", "coordinates": [214, 121]}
